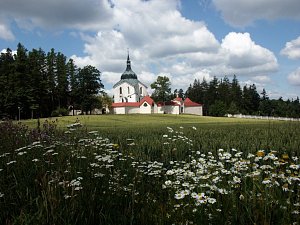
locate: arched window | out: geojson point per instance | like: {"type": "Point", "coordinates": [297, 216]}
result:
{"type": "Point", "coordinates": [141, 90]}
{"type": "Point", "coordinates": [128, 90]}
{"type": "Point", "coordinates": [120, 90]}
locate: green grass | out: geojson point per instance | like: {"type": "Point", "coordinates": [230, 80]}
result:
{"type": "Point", "coordinates": [212, 132]}
{"type": "Point", "coordinates": [150, 169]}
{"type": "Point", "coordinates": [143, 121]}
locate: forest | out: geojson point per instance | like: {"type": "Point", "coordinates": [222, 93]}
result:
{"type": "Point", "coordinates": [37, 84]}
{"type": "Point", "coordinates": [222, 96]}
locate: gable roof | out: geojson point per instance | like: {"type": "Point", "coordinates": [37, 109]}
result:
{"type": "Point", "coordinates": [189, 103]}
{"type": "Point", "coordinates": [147, 99]}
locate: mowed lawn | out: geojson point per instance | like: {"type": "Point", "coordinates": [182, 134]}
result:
{"type": "Point", "coordinates": [143, 121]}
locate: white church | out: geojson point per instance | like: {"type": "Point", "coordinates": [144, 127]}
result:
{"type": "Point", "coordinates": [131, 97]}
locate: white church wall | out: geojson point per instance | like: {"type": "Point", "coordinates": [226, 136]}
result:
{"type": "Point", "coordinates": [128, 93]}
{"type": "Point", "coordinates": [196, 110]}
{"type": "Point", "coordinates": [145, 108]}
{"type": "Point", "coordinates": [168, 109]}
{"type": "Point", "coordinates": [119, 110]}
{"type": "Point", "coordinates": [142, 91]}
{"type": "Point", "coordinates": [132, 110]}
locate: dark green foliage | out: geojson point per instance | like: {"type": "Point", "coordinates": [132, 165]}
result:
{"type": "Point", "coordinates": [221, 97]}
{"type": "Point", "coordinates": [162, 89]}
{"type": "Point", "coordinates": [35, 84]}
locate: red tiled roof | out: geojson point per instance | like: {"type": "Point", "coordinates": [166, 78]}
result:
{"type": "Point", "coordinates": [133, 104]}
{"type": "Point", "coordinates": [147, 99]}
{"type": "Point", "coordinates": [188, 102]}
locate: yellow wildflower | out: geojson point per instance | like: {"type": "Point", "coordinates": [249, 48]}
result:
{"type": "Point", "coordinates": [260, 153]}
{"type": "Point", "coordinates": [285, 156]}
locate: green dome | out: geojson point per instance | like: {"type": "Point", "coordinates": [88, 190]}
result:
{"type": "Point", "coordinates": [128, 73]}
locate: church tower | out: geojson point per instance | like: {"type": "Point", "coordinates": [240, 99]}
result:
{"type": "Point", "coordinates": [129, 88]}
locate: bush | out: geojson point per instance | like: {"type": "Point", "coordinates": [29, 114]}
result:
{"type": "Point", "coordinates": [60, 112]}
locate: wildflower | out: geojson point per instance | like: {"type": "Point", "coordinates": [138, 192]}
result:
{"type": "Point", "coordinates": [22, 153]}
{"type": "Point", "coordinates": [241, 197]}
{"type": "Point", "coordinates": [260, 153]}
{"type": "Point", "coordinates": [35, 160]}
{"type": "Point", "coordinates": [11, 162]}
{"type": "Point", "coordinates": [285, 156]}
{"type": "Point", "coordinates": [165, 135]}
{"type": "Point", "coordinates": [295, 167]}
{"type": "Point", "coordinates": [211, 200]}
{"type": "Point", "coordinates": [67, 196]}
{"type": "Point", "coordinates": [168, 183]}
{"type": "Point", "coordinates": [194, 128]}
{"type": "Point", "coordinates": [1, 195]}
{"type": "Point", "coordinates": [285, 187]}
{"type": "Point", "coordinates": [49, 151]}
{"type": "Point", "coordinates": [266, 181]}
{"type": "Point", "coordinates": [179, 196]}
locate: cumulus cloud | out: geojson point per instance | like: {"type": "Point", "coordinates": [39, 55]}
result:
{"type": "Point", "coordinates": [159, 38]}
{"type": "Point", "coordinates": [262, 79]}
{"type": "Point", "coordinates": [246, 57]}
{"type": "Point", "coordinates": [244, 12]}
{"type": "Point", "coordinates": [292, 49]}
{"type": "Point", "coordinates": [294, 77]}
{"type": "Point", "coordinates": [83, 15]}
{"type": "Point", "coordinates": [5, 33]}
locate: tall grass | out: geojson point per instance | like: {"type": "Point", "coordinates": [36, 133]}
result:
{"type": "Point", "coordinates": [189, 173]}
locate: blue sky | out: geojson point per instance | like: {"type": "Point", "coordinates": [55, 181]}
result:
{"type": "Point", "coordinates": [259, 40]}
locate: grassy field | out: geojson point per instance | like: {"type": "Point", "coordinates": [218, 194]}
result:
{"type": "Point", "coordinates": [211, 133]}
{"type": "Point", "coordinates": [138, 120]}
{"type": "Point", "coordinates": [149, 169]}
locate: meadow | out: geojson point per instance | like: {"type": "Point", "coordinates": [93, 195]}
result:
{"type": "Point", "coordinates": [149, 169]}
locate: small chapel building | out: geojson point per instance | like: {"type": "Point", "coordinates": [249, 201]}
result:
{"type": "Point", "coordinates": [131, 97]}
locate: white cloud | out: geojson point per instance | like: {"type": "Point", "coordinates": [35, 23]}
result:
{"type": "Point", "coordinates": [294, 77]}
{"type": "Point", "coordinates": [13, 52]}
{"type": "Point", "coordinates": [161, 40]}
{"type": "Point", "coordinates": [262, 79]}
{"type": "Point", "coordinates": [244, 12]}
{"type": "Point", "coordinates": [246, 57]}
{"type": "Point", "coordinates": [292, 49]}
{"type": "Point", "coordinates": [56, 14]}
{"type": "Point", "coordinates": [6, 33]}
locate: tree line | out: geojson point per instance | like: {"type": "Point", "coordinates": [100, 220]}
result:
{"type": "Point", "coordinates": [222, 96]}
{"type": "Point", "coordinates": [39, 84]}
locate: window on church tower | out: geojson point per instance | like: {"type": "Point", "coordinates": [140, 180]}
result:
{"type": "Point", "coordinates": [141, 90]}
{"type": "Point", "coordinates": [128, 90]}
{"type": "Point", "coordinates": [120, 90]}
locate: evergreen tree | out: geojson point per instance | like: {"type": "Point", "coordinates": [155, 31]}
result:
{"type": "Point", "coordinates": [89, 85]}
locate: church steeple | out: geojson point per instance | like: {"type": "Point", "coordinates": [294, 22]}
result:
{"type": "Point", "coordinates": [128, 73]}
{"type": "Point", "coordinates": [128, 68]}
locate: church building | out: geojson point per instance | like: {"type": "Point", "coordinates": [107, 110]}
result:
{"type": "Point", "coordinates": [131, 96]}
